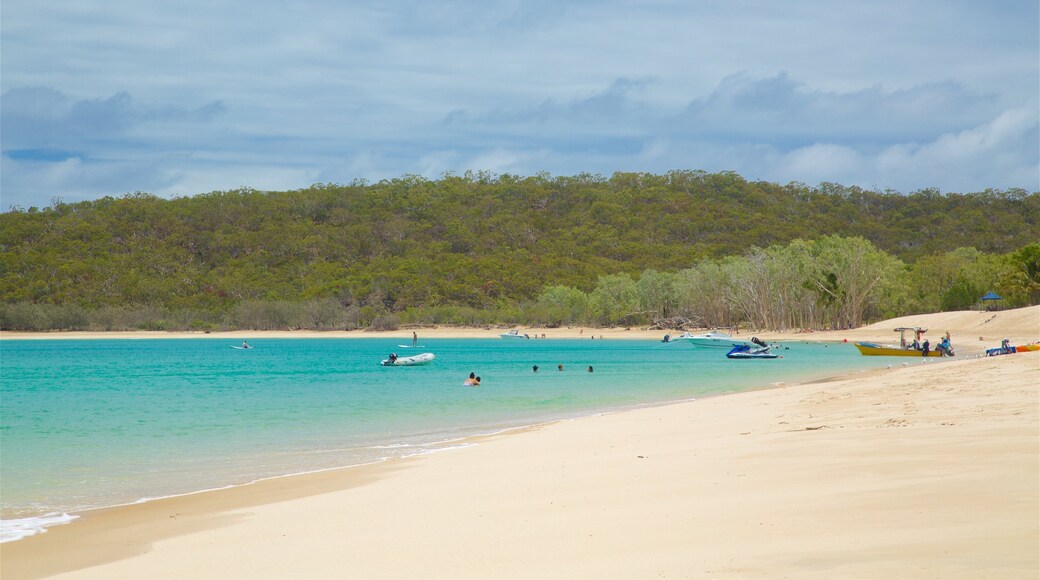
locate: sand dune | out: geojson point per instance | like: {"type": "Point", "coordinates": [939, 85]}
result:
{"type": "Point", "coordinates": [1021, 326]}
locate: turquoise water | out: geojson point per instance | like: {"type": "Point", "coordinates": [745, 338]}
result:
{"type": "Point", "coordinates": [92, 423]}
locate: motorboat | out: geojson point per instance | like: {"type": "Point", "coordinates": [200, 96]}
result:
{"type": "Point", "coordinates": [515, 333]}
{"type": "Point", "coordinates": [713, 339]}
{"type": "Point", "coordinates": [904, 348]}
{"type": "Point", "coordinates": [743, 351]}
{"type": "Point", "coordinates": [408, 361]}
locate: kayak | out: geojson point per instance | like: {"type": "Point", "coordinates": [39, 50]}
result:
{"type": "Point", "coordinates": [409, 361]}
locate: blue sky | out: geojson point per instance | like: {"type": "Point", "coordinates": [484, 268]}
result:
{"type": "Point", "coordinates": [180, 97]}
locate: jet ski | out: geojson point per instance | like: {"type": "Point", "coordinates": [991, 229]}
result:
{"type": "Point", "coordinates": [746, 351]}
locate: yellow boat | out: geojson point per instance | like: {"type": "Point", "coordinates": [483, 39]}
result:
{"type": "Point", "coordinates": [875, 349]}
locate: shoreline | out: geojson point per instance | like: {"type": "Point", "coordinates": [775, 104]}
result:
{"type": "Point", "coordinates": [767, 428]}
{"type": "Point", "coordinates": [974, 331]}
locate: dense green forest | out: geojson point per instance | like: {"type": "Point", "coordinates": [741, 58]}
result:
{"type": "Point", "coordinates": [486, 249]}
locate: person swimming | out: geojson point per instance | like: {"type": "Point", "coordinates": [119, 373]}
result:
{"type": "Point", "coordinates": [472, 381]}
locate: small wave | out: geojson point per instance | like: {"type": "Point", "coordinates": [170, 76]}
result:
{"type": "Point", "coordinates": [437, 450]}
{"type": "Point", "coordinates": [16, 529]}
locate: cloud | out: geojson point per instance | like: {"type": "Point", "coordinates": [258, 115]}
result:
{"type": "Point", "coordinates": [45, 117]}
{"type": "Point", "coordinates": [612, 110]}
{"type": "Point", "coordinates": [55, 146]}
{"type": "Point", "coordinates": [1005, 149]}
{"type": "Point", "coordinates": [773, 128]}
{"type": "Point", "coordinates": [186, 97]}
{"type": "Point", "coordinates": [781, 111]}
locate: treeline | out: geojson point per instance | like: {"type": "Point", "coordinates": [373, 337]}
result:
{"type": "Point", "coordinates": [833, 282]}
{"type": "Point", "coordinates": [829, 283]}
{"type": "Point", "coordinates": [485, 249]}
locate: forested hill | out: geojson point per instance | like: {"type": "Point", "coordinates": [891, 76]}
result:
{"type": "Point", "coordinates": [463, 240]}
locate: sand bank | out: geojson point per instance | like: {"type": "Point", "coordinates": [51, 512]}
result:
{"type": "Point", "coordinates": [920, 471]}
{"type": "Point", "coordinates": [1020, 325]}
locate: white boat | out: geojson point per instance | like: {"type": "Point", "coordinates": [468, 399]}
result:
{"type": "Point", "coordinates": [713, 339]}
{"type": "Point", "coordinates": [515, 333]}
{"type": "Point", "coordinates": [408, 361]}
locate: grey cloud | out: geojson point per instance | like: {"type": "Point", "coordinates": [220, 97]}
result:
{"type": "Point", "coordinates": [785, 113]}
{"type": "Point", "coordinates": [776, 111]}
{"type": "Point", "coordinates": [613, 107]}
{"type": "Point", "coordinates": [44, 117]}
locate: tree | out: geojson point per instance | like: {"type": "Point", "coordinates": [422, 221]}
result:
{"type": "Point", "coordinates": [850, 271]}
{"type": "Point", "coordinates": [1021, 282]}
{"type": "Point", "coordinates": [656, 292]}
{"type": "Point", "coordinates": [615, 300]}
{"type": "Point", "coordinates": [558, 305]}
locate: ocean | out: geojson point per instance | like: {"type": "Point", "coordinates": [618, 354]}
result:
{"type": "Point", "coordinates": [96, 423]}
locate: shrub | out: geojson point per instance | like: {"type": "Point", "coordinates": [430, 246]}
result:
{"type": "Point", "coordinates": [385, 322]}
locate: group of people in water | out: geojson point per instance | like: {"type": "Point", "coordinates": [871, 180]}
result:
{"type": "Point", "coordinates": [474, 380]}
{"type": "Point", "coordinates": [559, 367]}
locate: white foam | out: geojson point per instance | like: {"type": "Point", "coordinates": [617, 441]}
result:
{"type": "Point", "coordinates": [11, 530]}
{"type": "Point", "coordinates": [438, 450]}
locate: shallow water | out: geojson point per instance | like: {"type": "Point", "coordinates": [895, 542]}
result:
{"type": "Point", "coordinates": [92, 423]}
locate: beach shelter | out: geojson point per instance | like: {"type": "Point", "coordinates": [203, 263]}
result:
{"type": "Point", "coordinates": [992, 298]}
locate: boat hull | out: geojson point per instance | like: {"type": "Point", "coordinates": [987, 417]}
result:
{"type": "Point", "coordinates": [870, 349]}
{"type": "Point", "coordinates": [711, 340]}
{"type": "Point", "coordinates": [410, 361]}
{"type": "Point", "coordinates": [714, 343]}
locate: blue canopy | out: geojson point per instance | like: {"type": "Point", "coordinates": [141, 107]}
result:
{"type": "Point", "coordinates": [991, 296]}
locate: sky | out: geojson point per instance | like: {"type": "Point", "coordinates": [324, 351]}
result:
{"type": "Point", "coordinates": [176, 98]}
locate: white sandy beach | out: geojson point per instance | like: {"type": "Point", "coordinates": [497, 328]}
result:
{"type": "Point", "coordinates": [919, 471]}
